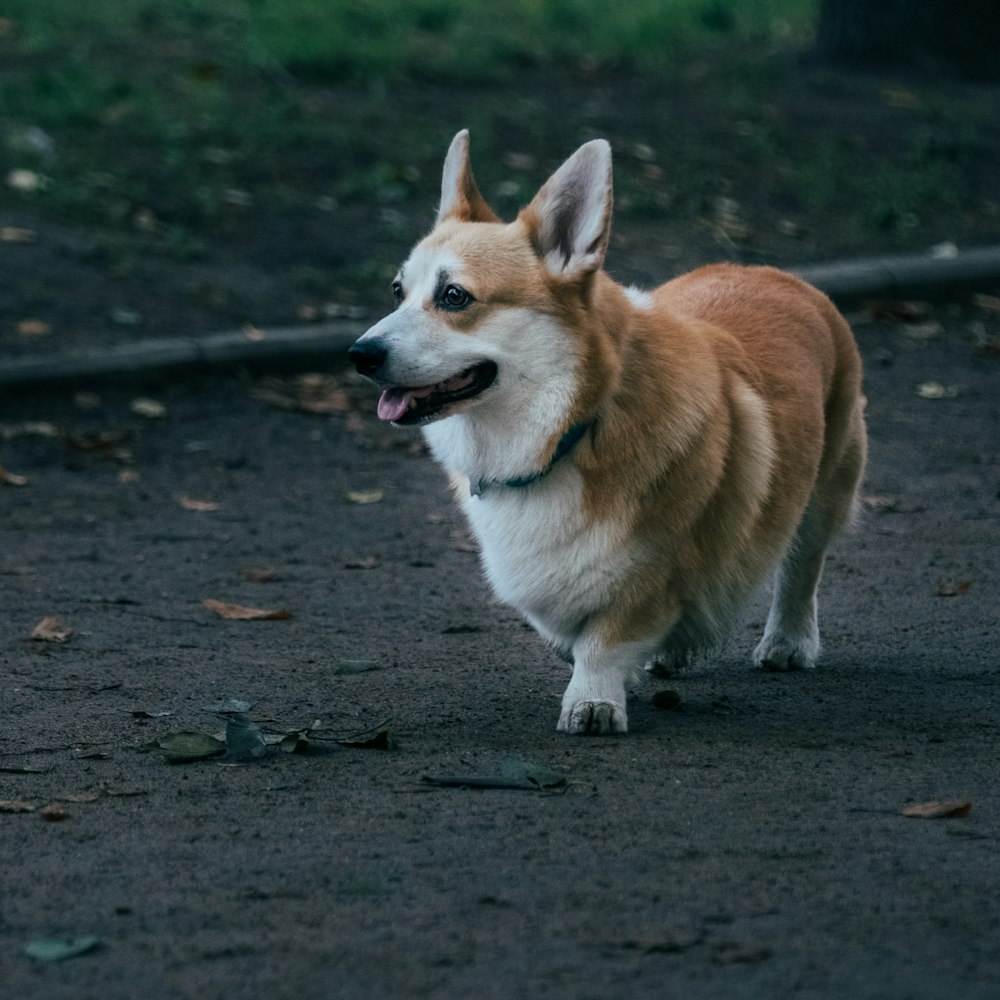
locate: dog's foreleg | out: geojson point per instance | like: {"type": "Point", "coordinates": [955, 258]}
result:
{"type": "Point", "coordinates": [594, 702]}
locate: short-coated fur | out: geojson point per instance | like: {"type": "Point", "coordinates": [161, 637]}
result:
{"type": "Point", "coordinates": [720, 418]}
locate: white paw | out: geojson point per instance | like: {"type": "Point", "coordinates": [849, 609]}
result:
{"type": "Point", "coordinates": [596, 718]}
{"type": "Point", "coordinates": [780, 653]}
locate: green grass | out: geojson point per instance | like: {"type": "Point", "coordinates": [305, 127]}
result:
{"type": "Point", "coordinates": [387, 38]}
{"type": "Point", "coordinates": [170, 104]}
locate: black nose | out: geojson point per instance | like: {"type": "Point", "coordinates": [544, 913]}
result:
{"type": "Point", "coordinates": [367, 356]}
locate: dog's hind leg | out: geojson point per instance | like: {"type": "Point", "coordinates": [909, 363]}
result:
{"type": "Point", "coordinates": [791, 636]}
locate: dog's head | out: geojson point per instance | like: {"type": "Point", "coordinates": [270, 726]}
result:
{"type": "Point", "coordinates": [484, 306]}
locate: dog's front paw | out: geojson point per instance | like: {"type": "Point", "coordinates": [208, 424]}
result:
{"type": "Point", "coordinates": [596, 718]}
{"type": "Point", "coordinates": [781, 654]}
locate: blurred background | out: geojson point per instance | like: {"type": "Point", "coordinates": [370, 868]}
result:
{"type": "Point", "coordinates": [169, 167]}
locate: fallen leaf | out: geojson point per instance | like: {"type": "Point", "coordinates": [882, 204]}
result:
{"type": "Point", "coordinates": [152, 409]}
{"type": "Point", "coordinates": [898, 310]}
{"type": "Point", "coordinates": [880, 503]}
{"type": "Point", "coordinates": [79, 797]}
{"type": "Point", "coordinates": [741, 954]}
{"type": "Point", "coordinates": [534, 774]}
{"type": "Point", "coordinates": [237, 612]}
{"type": "Point", "coordinates": [125, 317]}
{"type": "Point", "coordinates": [57, 949]}
{"type": "Point", "coordinates": [899, 97]}
{"type": "Point", "coordinates": [15, 234]}
{"type": "Point", "coordinates": [948, 250]}
{"type": "Point", "coordinates": [33, 328]}
{"type": "Point", "coordinates": [989, 303]}
{"type": "Point", "coordinates": [105, 444]}
{"type": "Point", "coordinates": [201, 506]}
{"type": "Point", "coordinates": [380, 741]}
{"type": "Point", "coordinates": [228, 705]}
{"type": "Point", "coordinates": [365, 496]}
{"type": "Point", "coordinates": [26, 181]}
{"type": "Point", "coordinates": [515, 774]}
{"type": "Point", "coordinates": [955, 590]}
{"type": "Point", "coordinates": [15, 806]}
{"type": "Point", "coordinates": [53, 813]}
{"type": "Point", "coordinates": [669, 944]}
{"type": "Point", "coordinates": [350, 667]}
{"type": "Point", "coordinates": [141, 713]}
{"type": "Point", "coordinates": [924, 331]}
{"type": "Point", "coordinates": [295, 742]}
{"type": "Point", "coordinates": [244, 738]}
{"type": "Point", "coordinates": [934, 390]}
{"type": "Point", "coordinates": [477, 781]}
{"type": "Point", "coordinates": [261, 575]}
{"type": "Point", "coordinates": [944, 809]}
{"type": "Point", "coordinates": [11, 479]}
{"type": "Point", "coordinates": [51, 630]}
{"type": "Point", "coordinates": [29, 428]}
{"type": "Point", "coordinates": [187, 746]}
{"type": "Point", "coordinates": [368, 562]}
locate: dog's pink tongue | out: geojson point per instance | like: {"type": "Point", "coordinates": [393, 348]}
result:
{"type": "Point", "coordinates": [393, 403]}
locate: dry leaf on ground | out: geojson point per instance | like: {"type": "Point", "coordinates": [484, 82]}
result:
{"type": "Point", "coordinates": [934, 390]}
{"type": "Point", "coordinates": [954, 590]}
{"type": "Point", "coordinates": [898, 311]}
{"type": "Point", "coordinates": [237, 612]}
{"type": "Point", "coordinates": [368, 562]}
{"type": "Point", "coordinates": [15, 806]}
{"type": "Point", "coordinates": [15, 234]}
{"type": "Point", "coordinates": [53, 813]}
{"type": "Point", "coordinates": [202, 506]}
{"type": "Point", "coordinates": [51, 629]}
{"type": "Point", "coordinates": [10, 479]}
{"type": "Point", "coordinates": [944, 809]}
{"type": "Point", "coordinates": [33, 328]}
{"type": "Point", "coordinates": [262, 574]}
{"type": "Point", "coordinates": [365, 496]}
{"type": "Point", "coordinates": [153, 409]}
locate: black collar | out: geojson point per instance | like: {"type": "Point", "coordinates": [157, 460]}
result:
{"type": "Point", "coordinates": [567, 443]}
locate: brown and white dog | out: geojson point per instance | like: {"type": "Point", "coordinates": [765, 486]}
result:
{"type": "Point", "coordinates": [631, 462]}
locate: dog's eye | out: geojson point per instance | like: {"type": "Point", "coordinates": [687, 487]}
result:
{"type": "Point", "coordinates": [455, 297]}
{"type": "Point", "coordinates": [397, 291]}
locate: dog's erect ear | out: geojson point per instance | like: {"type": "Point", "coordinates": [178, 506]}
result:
{"type": "Point", "coordinates": [570, 217]}
{"type": "Point", "coordinates": [460, 197]}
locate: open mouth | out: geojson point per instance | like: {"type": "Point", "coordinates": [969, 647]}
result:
{"type": "Point", "coordinates": [415, 404]}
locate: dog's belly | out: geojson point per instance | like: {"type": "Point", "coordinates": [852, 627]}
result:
{"type": "Point", "coordinates": [543, 558]}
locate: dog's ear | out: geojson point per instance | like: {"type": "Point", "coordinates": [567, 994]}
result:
{"type": "Point", "coordinates": [570, 217]}
{"type": "Point", "coordinates": [460, 197]}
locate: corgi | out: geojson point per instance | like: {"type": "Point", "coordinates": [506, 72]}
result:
{"type": "Point", "coordinates": [632, 463]}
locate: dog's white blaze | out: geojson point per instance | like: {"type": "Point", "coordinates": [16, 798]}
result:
{"type": "Point", "coordinates": [503, 435]}
{"type": "Point", "coordinates": [639, 297]}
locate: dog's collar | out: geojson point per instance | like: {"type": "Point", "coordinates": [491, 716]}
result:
{"type": "Point", "coordinates": [567, 443]}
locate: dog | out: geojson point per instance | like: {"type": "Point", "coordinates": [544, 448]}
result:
{"type": "Point", "coordinates": [632, 463]}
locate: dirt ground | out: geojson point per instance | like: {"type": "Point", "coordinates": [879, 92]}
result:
{"type": "Point", "coordinates": [748, 843]}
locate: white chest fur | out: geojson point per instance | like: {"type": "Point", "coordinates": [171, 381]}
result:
{"type": "Point", "coordinates": [543, 557]}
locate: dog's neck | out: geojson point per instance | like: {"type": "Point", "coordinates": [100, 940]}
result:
{"type": "Point", "coordinates": [566, 444]}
